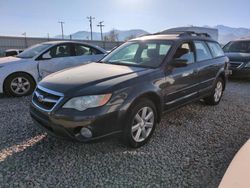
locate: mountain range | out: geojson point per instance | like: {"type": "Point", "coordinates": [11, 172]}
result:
{"type": "Point", "coordinates": [121, 35]}
{"type": "Point", "coordinates": [226, 34]}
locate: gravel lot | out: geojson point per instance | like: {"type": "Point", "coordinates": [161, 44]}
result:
{"type": "Point", "coordinates": [192, 147]}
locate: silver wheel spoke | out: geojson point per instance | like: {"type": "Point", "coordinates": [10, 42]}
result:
{"type": "Point", "coordinates": [144, 133]}
{"type": "Point", "coordinates": [138, 134]}
{"type": "Point", "coordinates": [24, 89]}
{"type": "Point", "coordinates": [148, 125]}
{"type": "Point", "coordinates": [149, 116]}
{"type": "Point", "coordinates": [138, 118]}
{"type": "Point", "coordinates": [19, 79]}
{"type": "Point", "coordinates": [17, 89]}
{"type": "Point", "coordinates": [13, 84]}
{"type": "Point", "coordinates": [26, 83]}
{"type": "Point", "coordinates": [135, 127]}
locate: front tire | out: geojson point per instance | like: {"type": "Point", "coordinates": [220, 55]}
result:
{"type": "Point", "coordinates": [142, 120]}
{"type": "Point", "coordinates": [215, 97]}
{"type": "Point", "coordinates": [19, 84]}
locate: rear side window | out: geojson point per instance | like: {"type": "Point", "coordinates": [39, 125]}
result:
{"type": "Point", "coordinates": [202, 51]}
{"type": "Point", "coordinates": [81, 49]}
{"type": "Point", "coordinates": [215, 49]}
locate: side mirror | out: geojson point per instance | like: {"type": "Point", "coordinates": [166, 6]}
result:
{"type": "Point", "coordinates": [179, 62]}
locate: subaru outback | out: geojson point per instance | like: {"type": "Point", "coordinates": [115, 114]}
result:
{"type": "Point", "coordinates": [127, 91]}
{"type": "Point", "coordinates": [238, 52]}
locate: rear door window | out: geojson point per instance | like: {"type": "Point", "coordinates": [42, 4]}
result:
{"type": "Point", "coordinates": [81, 49]}
{"type": "Point", "coordinates": [202, 51]}
{"type": "Point", "coordinates": [61, 50]}
{"type": "Point", "coordinates": [215, 49]}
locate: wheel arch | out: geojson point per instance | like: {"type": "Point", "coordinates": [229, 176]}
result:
{"type": "Point", "coordinates": [18, 72]}
{"type": "Point", "coordinates": [155, 98]}
{"type": "Point", "coordinates": [224, 78]}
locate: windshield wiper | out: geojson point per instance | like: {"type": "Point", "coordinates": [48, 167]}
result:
{"type": "Point", "coordinates": [102, 61]}
{"type": "Point", "coordinates": [22, 57]}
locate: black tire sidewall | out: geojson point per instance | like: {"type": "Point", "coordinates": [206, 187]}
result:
{"type": "Point", "coordinates": [218, 80]}
{"type": "Point", "coordinates": [7, 88]}
{"type": "Point", "coordinates": [127, 137]}
{"type": "Point", "coordinates": [211, 100]}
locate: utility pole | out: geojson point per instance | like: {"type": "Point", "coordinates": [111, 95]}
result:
{"type": "Point", "coordinates": [101, 26]}
{"type": "Point", "coordinates": [25, 40]}
{"type": "Point", "coordinates": [60, 22]}
{"type": "Point", "coordinates": [90, 18]}
{"type": "Point", "coordinates": [48, 36]}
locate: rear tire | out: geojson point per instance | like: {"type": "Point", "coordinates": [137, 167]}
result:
{"type": "Point", "coordinates": [215, 97]}
{"type": "Point", "coordinates": [19, 84]}
{"type": "Point", "coordinates": [141, 123]}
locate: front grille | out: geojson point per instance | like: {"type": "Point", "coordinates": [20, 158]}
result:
{"type": "Point", "coordinates": [46, 99]}
{"type": "Point", "coordinates": [234, 64]}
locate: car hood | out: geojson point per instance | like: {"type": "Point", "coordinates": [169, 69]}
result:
{"type": "Point", "coordinates": [241, 57]}
{"type": "Point", "coordinates": [11, 60]}
{"type": "Point", "coordinates": [90, 78]}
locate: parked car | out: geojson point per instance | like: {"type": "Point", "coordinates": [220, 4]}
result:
{"type": "Point", "coordinates": [12, 52]}
{"type": "Point", "coordinates": [19, 75]}
{"type": "Point", "coordinates": [238, 52]}
{"type": "Point", "coordinates": [128, 90]}
{"type": "Point", "coordinates": [237, 174]}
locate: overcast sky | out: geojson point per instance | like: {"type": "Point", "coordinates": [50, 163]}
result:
{"type": "Point", "coordinates": [37, 18]}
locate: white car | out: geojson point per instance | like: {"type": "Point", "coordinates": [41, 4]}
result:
{"type": "Point", "coordinates": [12, 52]}
{"type": "Point", "coordinates": [19, 75]}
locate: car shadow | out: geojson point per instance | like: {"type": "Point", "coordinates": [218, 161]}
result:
{"type": "Point", "coordinates": [2, 96]}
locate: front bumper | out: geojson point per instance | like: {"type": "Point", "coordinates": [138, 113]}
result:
{"type": "Point", "coordinates": [1, 83]}
{"type": "Point", "coordinates": [67, 123]}
{"type": "Point", "coordinates": [240, 73]}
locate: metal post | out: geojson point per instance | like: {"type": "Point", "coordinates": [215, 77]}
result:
{"type": "Point", "coordinates": [62, 28]}
{"type": "Point", "coordinates": [90, 25]}
{"type": "Point", "coordinates": [101, 26]}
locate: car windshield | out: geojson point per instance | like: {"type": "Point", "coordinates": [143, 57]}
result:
{"type": "Point", "coordinates": [238, 46]}
{"type": "Point", "coordinates": [139, 53]}
{"type": "Point", "coordinates": [33, 50]}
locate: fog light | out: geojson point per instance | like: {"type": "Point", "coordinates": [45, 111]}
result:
{"type": "Point", "coordinates": [85, 132]}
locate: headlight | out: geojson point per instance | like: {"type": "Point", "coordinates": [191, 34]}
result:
{"type": "Point", "coordinates": [247, 65]}
{"type": "Point", "coordinates": [85, 102]}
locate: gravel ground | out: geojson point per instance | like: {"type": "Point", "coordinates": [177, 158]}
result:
{"type": "Point", "coordinates": [192, 147]}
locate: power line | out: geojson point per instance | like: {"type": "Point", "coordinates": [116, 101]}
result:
{"type": "Point", "coordinates": [62, 28]}
{"type": "Point", "coordinates": [101, 26]}
{"type": "Point", "coordinates": [90, 18]}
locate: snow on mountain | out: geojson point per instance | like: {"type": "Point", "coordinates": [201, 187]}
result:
{"type": "Point", "coordinates": [122, 35]}
{"type": "Point", "coordinates": [226, 34]}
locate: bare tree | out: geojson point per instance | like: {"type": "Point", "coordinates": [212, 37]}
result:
{"type": "Point", "coordinates": [112, 36]}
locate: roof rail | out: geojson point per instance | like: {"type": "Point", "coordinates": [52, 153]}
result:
{"type": "Point", "coordinates": [183, 33]}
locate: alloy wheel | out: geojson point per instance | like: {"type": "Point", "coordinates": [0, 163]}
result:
{"type": "Point", "coordinates": [143, 124]}
{"type": "Point", "coordinates": [218, 91]}
{"type": "Point", "coordinates": [20, 85]}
